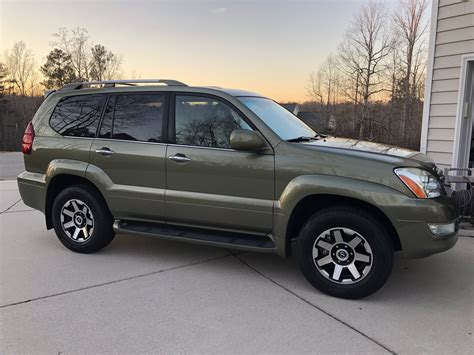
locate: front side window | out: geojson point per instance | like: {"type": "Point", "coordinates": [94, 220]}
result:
{"type": "Point", "coordinates": [205, 122]}
{"type": "Point", "coordinates": [134, 117]}
{"type": "Point", "coordinates": [78, 116]}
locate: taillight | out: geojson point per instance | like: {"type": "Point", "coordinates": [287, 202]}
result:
{"type": "Point", "coordinates": [28, 137]}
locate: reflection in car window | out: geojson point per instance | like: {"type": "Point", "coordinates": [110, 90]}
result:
{"type": "Point", "coordinates": [78, 116]}
{"type": "Point", "coordinates": [279, 119]}
{"type": "Point", "coordinates": [135, 117]}
{"type": "Point", "coordinates": [106, 127]}
{"type": "Point", "coordinates": [205, 122]}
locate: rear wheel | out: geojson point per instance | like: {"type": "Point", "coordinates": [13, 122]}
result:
{"type": "Point", "coordinates": [82, 220]}
{"type": "Point", "coordinates": [345, 252]}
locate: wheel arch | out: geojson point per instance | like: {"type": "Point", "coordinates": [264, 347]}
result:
{"type": "Point", "coordinates": [309, 205]}
{"type": "Point", "coordinates": [58, 183]}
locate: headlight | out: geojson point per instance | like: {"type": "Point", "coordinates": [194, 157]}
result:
{"type": "Point", "coordinates": [421, 182]}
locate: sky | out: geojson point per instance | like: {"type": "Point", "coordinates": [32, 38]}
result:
{"type": "Point", "coordinates": [264, 46]}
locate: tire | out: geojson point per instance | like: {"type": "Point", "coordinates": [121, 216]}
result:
{"type": "Point", "coordinates": [345, 252]}
{"type": "Point", "coordinates": [81, 219]}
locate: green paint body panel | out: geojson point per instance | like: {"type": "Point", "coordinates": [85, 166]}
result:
{"type": "Point", "coordinates": [233, 190]}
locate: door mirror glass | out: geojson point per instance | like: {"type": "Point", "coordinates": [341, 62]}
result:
{"type": "Point", "coordinates": [242, 139]}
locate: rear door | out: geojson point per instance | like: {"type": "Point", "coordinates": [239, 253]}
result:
{"type": "Point", "coordinates": [128, 155]}
{"type": "Point", "coordinates": [208, 183]}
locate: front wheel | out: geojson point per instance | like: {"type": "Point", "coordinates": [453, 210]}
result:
{"type": "Point", "coordinates": [345, 252]}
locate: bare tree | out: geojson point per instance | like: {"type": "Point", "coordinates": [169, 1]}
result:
{"type": "Point", "coordinates": [366, 46]}
{"type": "Point", "coordinates": [392, 72]}
{"type": "Point", "coordinates": [3, 79]}
{"type": "Point", "coordinates": [135, 74]}
{"type": "Point", "coordinates": [314, 87]}
{"type": "Point", "coordinates": [329, 75]}
{"type": "Point", "coordinates": [323, 86]}
{"type": "Point", "coordinates": [88, 61]}
{"type": "Point", "coordinates": [114, 68]}
{"type": "Point", "coordinates": [20, 66]}
{"type": "Point", "coordinates": [411, 28]}
{"type": "Point", "coordinates": [76, 44]}
{"type": "Point", "coordinates": [35, 88]}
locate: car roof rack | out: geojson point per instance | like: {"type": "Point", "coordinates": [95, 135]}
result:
{"type": "Point", "coordinates": [114, 83]}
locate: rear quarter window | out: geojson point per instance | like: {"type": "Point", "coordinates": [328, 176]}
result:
{"type": "Point", "coordinates": [78, 116]}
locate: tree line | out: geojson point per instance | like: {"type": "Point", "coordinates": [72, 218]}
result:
{"type": "Point", "coordinates": [372, 86]}
{"type": "Point", "coordinates": [73, 57]}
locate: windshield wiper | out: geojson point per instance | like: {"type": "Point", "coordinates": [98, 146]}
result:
{"type": "Point", "coordinates": [304, 139]}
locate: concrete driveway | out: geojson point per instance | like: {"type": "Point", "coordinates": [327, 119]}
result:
{"type": "Point", "coordinates": [11, 164]}
{"type": "Point", "coordinates": [148, 295]}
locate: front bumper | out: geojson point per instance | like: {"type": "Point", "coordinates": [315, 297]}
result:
{"type": "Point", "coordinates": [418, 242]}
{"type": "Point", "coordinates": [416, 238]}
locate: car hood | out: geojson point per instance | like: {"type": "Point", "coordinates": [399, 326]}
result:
{"type": "Point", "coordinates": [378, 148]}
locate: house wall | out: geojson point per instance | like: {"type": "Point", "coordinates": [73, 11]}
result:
{"type": "Point", "coordinates": [452, 37]}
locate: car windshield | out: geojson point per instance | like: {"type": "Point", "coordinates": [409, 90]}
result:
{"type": "Point", "coordinates": [286, 125]}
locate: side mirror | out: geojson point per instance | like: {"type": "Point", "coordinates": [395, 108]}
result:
{"type": "Point", "coordinates": [243, 139]}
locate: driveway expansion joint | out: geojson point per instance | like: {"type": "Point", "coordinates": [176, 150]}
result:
{"type": "Point", "coordinates": [339, 320]}
{"type": "Point", "coordinates": [113, 282]}
{"type": "Point", "coordinates": [8, 208]}
{"type": "Point", "coordinates": [18, 211]}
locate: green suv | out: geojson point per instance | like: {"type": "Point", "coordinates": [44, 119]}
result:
{"type": "Point", "coordinates": [234, 169]}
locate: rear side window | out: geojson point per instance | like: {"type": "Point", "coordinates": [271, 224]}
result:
{"type": "Point", "coordinates": [135, 117]}
{"type": "Point", "coordinates": [78, 116]}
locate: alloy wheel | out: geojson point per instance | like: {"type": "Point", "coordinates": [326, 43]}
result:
{"type": "Point", "coordinates": [77, 220]}
{"type": "Point", "coordinates": [342, 255]}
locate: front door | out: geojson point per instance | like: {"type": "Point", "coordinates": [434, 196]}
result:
{"type": "Point", "coordinates": [208, 183]}
{"type": "Point", "coordinates": [128, 156]}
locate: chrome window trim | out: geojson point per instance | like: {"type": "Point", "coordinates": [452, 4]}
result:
{"type": "Point", "coordinates": [105, 139]}
{"type": "Point", "coordinates": [129, 141]}
{"type": "Point", "coordinates": [61, 136]}
{"type": "Point", "coordinates": [203, 147]}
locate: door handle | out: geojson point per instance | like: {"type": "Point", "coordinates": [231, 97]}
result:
{"type": "Point", "coordinates": [104, 151]}
{"type": "Point", "coordinates": [179, 158]}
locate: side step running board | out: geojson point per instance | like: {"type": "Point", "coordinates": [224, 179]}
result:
{"type": "Point", "coordinates": [213, 237]}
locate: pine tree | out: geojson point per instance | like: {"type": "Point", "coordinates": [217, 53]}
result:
{"type": "Point", "coordinates": [58, 69]}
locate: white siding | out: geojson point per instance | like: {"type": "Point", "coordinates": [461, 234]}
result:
{"type": "Point", "coordinates": [440, 146]}
{"type": "Point", "coordinates": [454, 23]}
{"type": "Point", "coordinates": [444, 85]}
{"type": "Point", "coordinates": [454, 38]}
{"type": "Point", "coordinates": [445, 97]}
{"type": "Point", "coordinates": [442, 122]}
{"type": "Point", "coordinates": [446, 73]}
